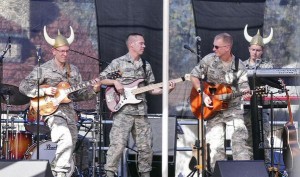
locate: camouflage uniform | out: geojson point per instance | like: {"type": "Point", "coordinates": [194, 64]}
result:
{"type": "Point", "coordinates": [62, 122]}
{"type": "Point", "coordinates": [131, 117]}
{"type": "Point", "coordinates": [215, 72]}
{"type": "Point", "coordinates": [266, 123]}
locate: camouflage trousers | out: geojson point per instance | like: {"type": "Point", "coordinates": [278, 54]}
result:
{"type": "Point", "coordinates": [64, 134]}
{"type": "Point", "coordinates": [215, 136]}
{"type": "Point", "coordinates": [141, 131]}
{"type": "Point", "coordinates": [266, 131]}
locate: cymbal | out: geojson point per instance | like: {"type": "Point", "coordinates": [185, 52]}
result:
{"type": "Point", "coordinates": [15, 96]}
{"type": "Point", "coordinates": [43, 129]}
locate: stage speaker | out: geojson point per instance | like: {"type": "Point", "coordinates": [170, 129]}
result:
{"type": "Point", "coordinates": [25, 168]}
{"type": "Point", "coordinates": [240, 168]}
{"type": "Point", "coordinates": [156, 124]}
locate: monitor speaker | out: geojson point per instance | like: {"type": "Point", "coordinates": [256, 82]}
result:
{"type": "Point", "coordinates": [240, 168]}
{"type": "Point", "coordinates": [156, 124]}
{"type": "Point", "coordinates": [25, 168]}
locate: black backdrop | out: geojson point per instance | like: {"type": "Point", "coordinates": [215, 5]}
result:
{"type": "Point", "coordinates": [214, 17]}
{"type": "Point", "coordinates": [117, 18]}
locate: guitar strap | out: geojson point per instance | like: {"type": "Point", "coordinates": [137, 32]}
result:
{"type": "Point", "coordinates": [68, 71]}
{"type": "Point", "coordinates": [144, 68]}
{"type": "Point", "coordinates": [235, 81]}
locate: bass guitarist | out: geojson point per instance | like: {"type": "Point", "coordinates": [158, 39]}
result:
{"type": "Point", "coordinates": [131, 118]}
{"type": "Point", "coordinates": [222, 67]}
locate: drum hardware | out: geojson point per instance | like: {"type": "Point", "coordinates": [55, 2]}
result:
{"type": "Point", "coordinates": [31, 125]}
{"type": "Point", "coordinates": [18, 143]}
{"type": "Point", "coordinates": [16, 97]}
{"type": "Point", "coordinates": [46, 151]}
{"type": "Point", "coordinates": [10, 95]}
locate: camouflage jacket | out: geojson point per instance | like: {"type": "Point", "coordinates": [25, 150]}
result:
{"type": "Point", "coordinates": [131, 72]}
{"type": "Point", "coordinates": [216, 73]}
{"type": "Point", "coordinates": [263, 64]}
{"type": "Point", "coordinates": [51, 75]}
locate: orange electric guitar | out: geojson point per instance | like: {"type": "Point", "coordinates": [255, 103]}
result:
{"type": "Point", "coordinates": [220, 95]}
{"type": "Point", "coordinates": [291, 148]}
{"type": "Point", "coordinates": [49, 104]}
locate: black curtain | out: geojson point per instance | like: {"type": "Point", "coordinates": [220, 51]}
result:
{"type": "Point", "coordinates": [117, 18]}
{"type": "Point", "coordinates": [213, 17]}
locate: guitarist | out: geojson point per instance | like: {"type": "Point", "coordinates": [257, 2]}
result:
{"type": "Point", "coordinates": [222, 67]}
{"type": "Point", "coordinates": [62, 122]}
{"type": "Point", "coordinates": [131, 118]}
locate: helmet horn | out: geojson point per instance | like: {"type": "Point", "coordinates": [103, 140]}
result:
{"type": "Point", "coordinates": [247, 36]}
{"type": "Point", "coordinates": [47, 38]}
{"type": "Point", "coordinates": [269, 38]}
{"type": "Point", "coordinates": [71, 38]}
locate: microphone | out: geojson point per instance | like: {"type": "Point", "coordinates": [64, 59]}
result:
{"type": "Point", "coordinates": [38, 51]}
{"type": "Point", "coordinates": [189, 48]}
{"type": "Point", "coordinates": [9, 45]}
{"type": "Point", "coordinates": [257, 63]}
{"type": "Point", "coordinates": [198, 38]}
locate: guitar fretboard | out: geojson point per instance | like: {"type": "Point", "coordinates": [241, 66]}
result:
{"type": "Point", "coordinates": [154, 86]}
{"type": "Point", "coordinates": [83, 85]}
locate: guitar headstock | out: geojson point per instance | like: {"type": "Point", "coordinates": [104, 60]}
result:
{"type": "Point", "coordinates": [187, 77]}
{"type": "Point", "coordinates": [261, 90]}
{"type": "Point", "coordinates": [114, 75]}
{"type": "Point", "coordinates": [281, 81]}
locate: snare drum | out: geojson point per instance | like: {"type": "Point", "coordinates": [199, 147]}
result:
{"type": "Point", "coordinates": [18, 142]}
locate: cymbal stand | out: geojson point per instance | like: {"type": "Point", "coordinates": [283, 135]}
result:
{"type": "Point", "coordinates": [95, 137]}
{"type": "Point", "coordinates": [7, 47]}
{"type": "Point", "coordinates": [7, 148]}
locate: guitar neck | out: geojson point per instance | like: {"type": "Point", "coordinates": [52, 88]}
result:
{"type": "Point", "coordinates": [289, 106]}
{"type": "Point", "coordinates": [83, 85]}
{"type": "Point", "coordinates": [154, 86]}
{"type": "Point", "coordinates": [229, 96]}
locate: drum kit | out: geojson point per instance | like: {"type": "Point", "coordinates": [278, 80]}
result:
{"type": "Point", "coordinates": [22, 144]}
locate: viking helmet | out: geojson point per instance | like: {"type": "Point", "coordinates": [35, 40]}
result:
{"type": "Point", "coordinates": [257, 39]}
{"type": "Point", "coordinates": [60, 40]}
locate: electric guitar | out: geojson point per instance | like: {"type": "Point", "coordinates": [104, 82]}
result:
{"type": "Point", "coordinates": [291, 148]}
{"type": "Point", "coordinates": [220, 95]}
{"type": "Point", "coordinates": [49, 104]}
{"type": "Point", "coordinates": [116, 101]}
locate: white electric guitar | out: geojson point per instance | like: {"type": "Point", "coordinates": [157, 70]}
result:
{"type": "Point", "coordinates": [116, 101]}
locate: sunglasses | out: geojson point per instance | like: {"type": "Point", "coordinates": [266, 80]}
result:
{"type": "Point", "coordinates": [217, 47]}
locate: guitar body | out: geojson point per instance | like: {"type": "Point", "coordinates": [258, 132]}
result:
{"type": "Point", "coordinates": [115, 100]}
{"type": "Point", "coordinates": [213, 91]}
{"type": "Point", "coordinates": [49, 104]}
{"type": "Point", "coordinates": [291, 148]}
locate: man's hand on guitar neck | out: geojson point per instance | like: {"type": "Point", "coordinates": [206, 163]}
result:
{"type": "Point", "coordinates": [96, 85]}
{"type": "Point", "coordinates": [247, 94]}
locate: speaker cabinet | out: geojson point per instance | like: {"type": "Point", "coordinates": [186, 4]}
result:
{"type": "Point", "coordinates": [156, 124]}
{"type": "Point", "coordinates": [25, 168]}
{"type": "Point", "coordinates": [240, 168]}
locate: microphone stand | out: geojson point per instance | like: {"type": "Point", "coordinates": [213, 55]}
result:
{"type": "Point", "coordinates": [97, 59]}
{"type": "Point", "coordinates": [200, 122]}
{"type": "Point", "coordinates": [203, 147]}
{"type": "Point", "coordinates": [7, 47]}
{"type": "Point", "coordinates": [39, 73]}
{"type": "Point", "coordinates": [97, 123]}
{"type": "Point", "coordinates": [256, 118]}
